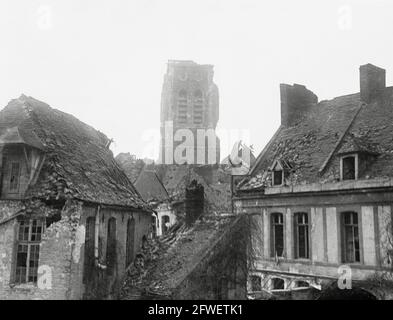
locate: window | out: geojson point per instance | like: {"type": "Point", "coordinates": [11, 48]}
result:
{"type": "Point", "coordinates": [301, 284]}
{"type": "Point", "coordinates": [153, 226]}
{"type": "Point", "coordinates": [89, 260]}
{"type": "Point", "coordinates": [277, 235]}
{"type": "Point", "coordinates": [14, 177]}
{"type": "Point", "coordinates": [278, 177]}
{"type": "Point", "coordinates": [349, 168]}
{"type": "Point", "coordinates": [278, 284]}
{"type": "Point", "coordinates": [28, 250]}
{"type": "Point", "coordinates": [165, 223]}
{"type": "Point", "coordinates": [182, 106]}
{"type": "Point", "coordinates": [256, 283]}
{"type": "Point", "coordinates": [111, 247]}
{"type": "Point", "coordinates": [301, 236]}
{"type": "Point", "coordinates": [350, 237]}
{"type": "Point", "coordinates": [280, 169]}
{"type": "Point", "coordinates": [198, 107]}
{"type": "Point", "coordinates": [130, 241]}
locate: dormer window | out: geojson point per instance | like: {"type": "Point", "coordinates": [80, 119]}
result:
{"type": "Point", "coordinates": [349, 167]}
{"type": "Point", "coordinates": [23, 156]}
{"type": "Point", "coordinates": [279, 170]}
{"type": "Point", "coordinates": [278, 177]}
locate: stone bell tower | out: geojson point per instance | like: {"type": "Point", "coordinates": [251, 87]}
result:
{"type": "Point", "coordinates": [189, 115]}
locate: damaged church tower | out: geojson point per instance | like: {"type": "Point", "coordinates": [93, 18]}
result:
{"type": "Point", "coordinates": [189, 115]}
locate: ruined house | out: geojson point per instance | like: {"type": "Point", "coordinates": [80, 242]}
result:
{"type": "Point", "coordinates": [322, 190]}
{"type": "Point", "coordinates": [70, 219]}
{"type": "Point", "coordinates": [202, 257]}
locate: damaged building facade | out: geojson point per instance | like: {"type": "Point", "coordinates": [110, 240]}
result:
{"type": "Point", "coordinates": [71, 221]}
{"type": "Point", "coordinates": [321, 190]}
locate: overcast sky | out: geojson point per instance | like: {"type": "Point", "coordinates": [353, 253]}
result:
{"type": "Point", "coordinates": [104, 60]}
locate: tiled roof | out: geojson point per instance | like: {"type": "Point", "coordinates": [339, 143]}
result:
{"type": "Point", "coordinates": [150, 187]}
{"type": "Point", "coordinates": [312, 146]}
{"type": "Point", "coordinates": [76, 155]}
{"type": "Point", "coordinates": [352, 144]}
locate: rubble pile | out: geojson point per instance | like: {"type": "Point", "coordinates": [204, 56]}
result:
{"type": "Point", "coordinates": [163, 263]}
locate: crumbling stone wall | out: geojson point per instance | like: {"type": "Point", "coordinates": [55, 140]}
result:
{"type": "Point", "coordinates": [61, 259]}
{"type": "Point", "coordinates": [55, 261]}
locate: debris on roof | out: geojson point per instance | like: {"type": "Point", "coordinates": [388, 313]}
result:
{"type": "Point", "coordinates": [77, 162]}
{"type": "Point", "coordinates": [328, 129]}
{"type": "Point", "coordinates": [164, 263]}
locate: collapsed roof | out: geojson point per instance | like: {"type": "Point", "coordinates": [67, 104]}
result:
{"type": "Point", "coordinates": [76, 155]}
{"type": "Point", "coordinates": [170, 261]}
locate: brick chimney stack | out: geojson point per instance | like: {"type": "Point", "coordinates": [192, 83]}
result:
{"type": "Point", "coordinates": [194, 205]}
{"type": "Point", "coordinates": [372, 81]}
{"type": "Point", "coordinates": [295, 101]}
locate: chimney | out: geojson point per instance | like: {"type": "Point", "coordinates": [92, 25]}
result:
{"type": "Point", "coordinates": [194, 202]}
{"type": "Point", "coordinates": [372, 81]}
{"type": "Point", "coordinates": [295, 102]}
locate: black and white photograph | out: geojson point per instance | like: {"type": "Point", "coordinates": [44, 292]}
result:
{"type": "Point", "coordinates": [196, 150]}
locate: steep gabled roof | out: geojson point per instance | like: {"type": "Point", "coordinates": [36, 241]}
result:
{"type": "Point", "coordinates": [352, 144]}
{"type": "Point", "coordinates": [150, 187]}
{"type": "Point", "coordinates": [76, 154]}
{"type": "Point", "coordinates": [328, 129]}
